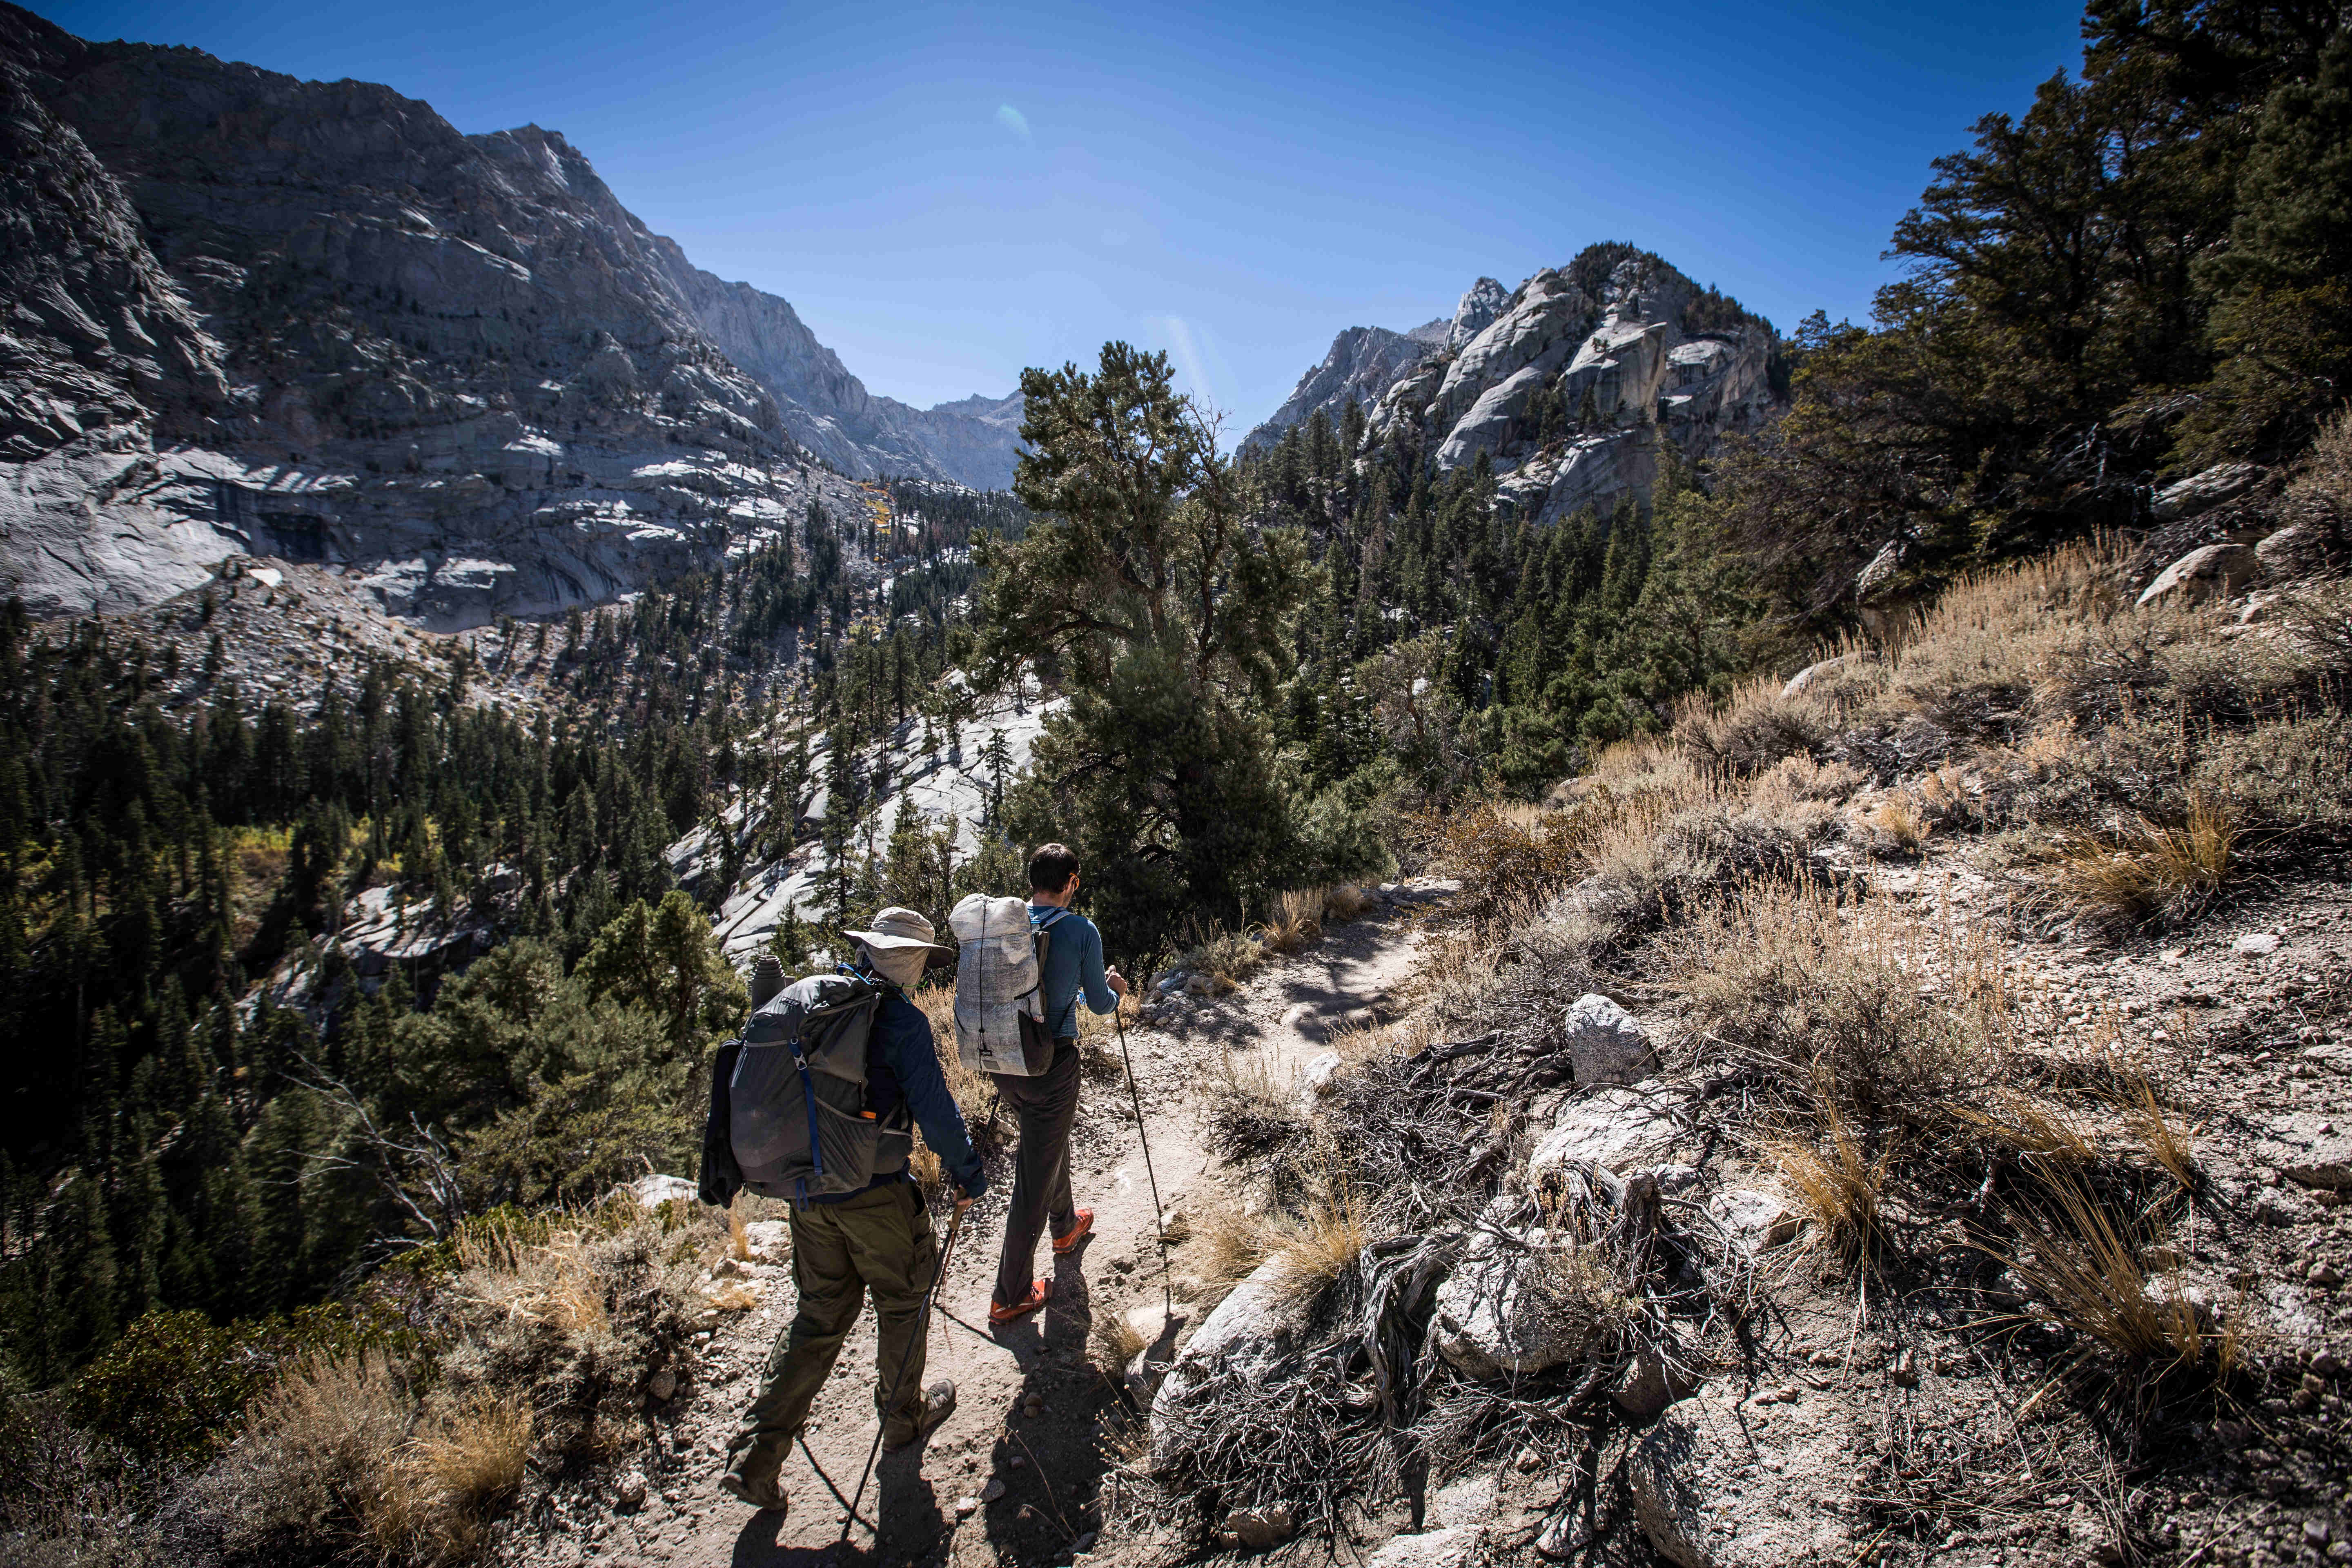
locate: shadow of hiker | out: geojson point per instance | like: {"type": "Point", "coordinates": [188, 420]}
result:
{"type": "Point", "coordinates": [909, 1508]}
{"type": "Point", "coordinates": [756, 1546]}
{"type": "Point", "coordinates": [1052, 1462]}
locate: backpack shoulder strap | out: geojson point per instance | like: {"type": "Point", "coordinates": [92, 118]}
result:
{"type": "Point", "coordinates": [1041, 934]}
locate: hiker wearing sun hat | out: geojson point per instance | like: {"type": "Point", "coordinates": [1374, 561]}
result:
{"type": "Point", "coordinates": [877, 1238]}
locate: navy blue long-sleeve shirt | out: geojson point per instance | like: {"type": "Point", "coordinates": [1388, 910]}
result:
{"type": "Point", "coordinates": [902, 1067]}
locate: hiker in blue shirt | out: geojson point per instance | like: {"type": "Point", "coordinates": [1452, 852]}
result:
{"type": "Point", "coordinates": [1047, 1104]}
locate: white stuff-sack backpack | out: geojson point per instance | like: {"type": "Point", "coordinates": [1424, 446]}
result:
{"type": "Point", "coordinates": [999, 1004]}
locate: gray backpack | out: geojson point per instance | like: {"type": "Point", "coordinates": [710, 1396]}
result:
{"type": "Point", "coordinates": [795, 1109]}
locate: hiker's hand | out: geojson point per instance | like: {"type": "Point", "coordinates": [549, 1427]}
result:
{"type": "Point", "coordinates": [1115, 980]}
{"type": "Point", "coordinates": [962, 1201]}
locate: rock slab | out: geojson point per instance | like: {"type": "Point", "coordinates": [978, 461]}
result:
{"type": "Point", "coordinates": [2208, 572]}
{"type": "Point", "coordinates": [1620, 1129]}
{"type": "Point", "coordinates": [1497, 1314]}
{"type": "Point", "coordinates": [1605, 1043]}
{"type": "Point", "coordinates": [1722, 1483]}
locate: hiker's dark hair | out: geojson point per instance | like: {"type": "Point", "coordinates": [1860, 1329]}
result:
{"type": "Point", "coordinates": [1051, 866]}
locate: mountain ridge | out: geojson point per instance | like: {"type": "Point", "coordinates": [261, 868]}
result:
{"type": "Point", "coordinates": [1569, 386]}
{"type": "Point", "coordinates": [249, 313]}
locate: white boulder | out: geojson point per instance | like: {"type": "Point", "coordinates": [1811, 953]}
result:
{"type": "Point", "coordinates": [2206, 572]}
{"type": "Point", "coordinates": [652, 1191]}
{"type": "Point", "coordinates": [1604, 1042]}
{"type": "Point", "coordinates": [2203, 491]}
{"type": "Point", "coordinates": [1249, 1334]}
{"type": "Point", "coordinates": [1497, 1315]}
{"type": "Point", "coordinates": [1821, 670]}
{"type": "Point", "coordinates": [1618, 1128]}
{"type": "Point", "coordinates": [1756, 1221]}
{"type": "Point", "coordinates": [1717, 1483]}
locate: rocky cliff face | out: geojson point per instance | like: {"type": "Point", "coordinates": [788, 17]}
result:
{"type": "Point", "coordinates": [311, 319]}
{"type": "Point", "coordinates": [1568, 387]}
{"type": "Point", "coordinates": [974, 442]}
{"type": "Point", "coordinates": [1365, 362]}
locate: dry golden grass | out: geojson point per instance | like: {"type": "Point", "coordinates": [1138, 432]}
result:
{"type": "Point", "coordinates": [1358, 1043]}
{"type": "Point", "coordinates": [1897, 824]}
{"type": "Point", "coordinates": [1324, 1243]}
{"type": "Point", "coordinates": [1112, 1342]}
{"type": "Point", "coordinates": [975, 1096]}
{"type": "Point", "coordinates": [739, 1240]}
{"type": "Point", "coordinates": [1311, 1249]}
{"type": "Point", "coordinates": [1862, 1008]}
{"type": "Point", "coordinates": [1293, 920]}
{"type": "Point", "coordinates": [1233, 1244]}
{"type": "Point", "coordinates": [1838, 1184]}
{"type": "Point", "coordinates": [321, 1455]}
{"type": "Point", "coordinates": [477, 1459]}
{"type": "Point", "coordinates": [1226, 957]}
{"type": "Point", "coordinates": [2169, 1139]}
{"type": "Point", "coordinates": [2148, 871]}
{"type": "Point", "coordinates": [2028, 1128]}
{"type": "Point", "coordinates": [2089, 1266]}
{"type": "Point", "coordinates": [534, 1271]}
{"type": "Point", "coordinates": [1250, 1116]}
{"type": "Point", "coordinates": [734, 1296]}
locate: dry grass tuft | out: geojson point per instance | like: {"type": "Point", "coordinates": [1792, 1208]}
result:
{"type": "Point", "coordinates": [1112, 1342]}
{"type": "Point", "coordinates": [1826, 1002]}
{"type": "Point", "coordinates": [1324, 1243]}
{"type": "Point", "coordinates": [1250, 1116]}
{"type": "Point", "coordinates": [1226, 957]}
{"type": "Point", "coordinates": [2169, 1141]}
{"type": "Point", "coordinates": [2089, 1266]}
{"type": "Point", "coordinates": [1234, 1243]}
{"type": "Point", "coordinates": [1293, 920]}
{"type": "Point", "coordinates": [533, 1271]}
{"type": "Point", "coordinates": [734, 1296]}
{"type": "Point", "coordinates": [477, 1459]}
{"type": "Point", "coordinates": [1839, 1184]}
{"type": "Point", "coordinates": [975, 1096]}
{"type": "Point", "coordinates": [1314, 1248]}
{"type": "Point", "coordinates": [2030, 1129]}
{"type": "Point", "coordinates": [321, 1464]}
{"type": "Point", "coordinates": [1897, 825]}
{"type": "Point", "coordinates": [2149, 872]}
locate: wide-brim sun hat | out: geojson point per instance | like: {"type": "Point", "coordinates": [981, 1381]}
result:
{"type": "Point", "coordinates": [900, 928]}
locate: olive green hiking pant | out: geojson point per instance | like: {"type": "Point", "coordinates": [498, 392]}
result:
{"type": "Point", "coordinates": [880, 1241]}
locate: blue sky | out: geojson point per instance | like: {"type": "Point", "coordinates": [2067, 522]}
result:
{"type": "Point", "coordinates": [948, 194]}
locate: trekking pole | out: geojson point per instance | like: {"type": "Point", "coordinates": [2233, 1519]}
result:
{"type": "Point", "coordinates": [923, 1329]}
{"type": "Point", "coordinates": [1158, 1222]}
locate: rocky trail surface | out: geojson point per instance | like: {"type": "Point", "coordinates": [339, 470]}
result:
{"type": "Point", "coordinates": [1019, 1473]}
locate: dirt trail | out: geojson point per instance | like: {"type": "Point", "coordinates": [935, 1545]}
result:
{"type": "Point", "coordinates": [1052, 1464]}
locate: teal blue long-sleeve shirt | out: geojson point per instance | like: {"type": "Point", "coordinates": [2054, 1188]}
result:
{"type": "Point", "coordinates": [1074, 966]}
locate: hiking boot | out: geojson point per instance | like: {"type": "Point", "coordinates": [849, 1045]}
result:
{"type": "Point", "coordinates": [751, 1474]}
{"type": "Point", "coordinates": [1080, 1228]}
{"type": "Point", "coordinates": [909, 1427]}
{"type": "Point", "coordinates": [1039, 1290]}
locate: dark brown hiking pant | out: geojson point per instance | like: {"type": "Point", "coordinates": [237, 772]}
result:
{"type": "Point", "coordinates": [1046, 1106]}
